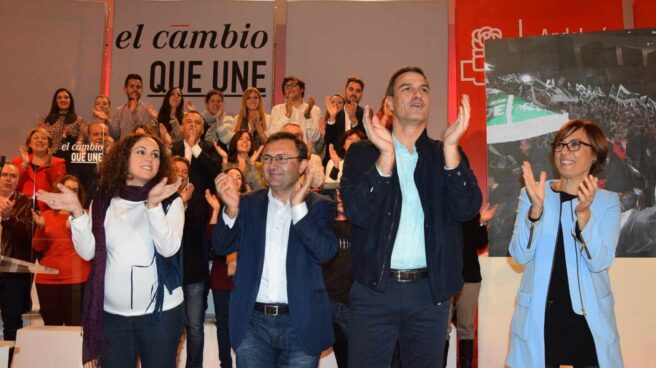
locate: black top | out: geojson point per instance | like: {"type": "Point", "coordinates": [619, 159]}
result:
{"type": "Point", "coordinates": [567, 337]}
{"type": "Point", "coordinates": [336, 272]}
{"type": "Point", "coordinates": [474, 238]}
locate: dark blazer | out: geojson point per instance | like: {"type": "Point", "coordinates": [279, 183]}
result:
{"type": "Point", "coordinates": [311, 242]}
{"type": "Point", "coordinates": [334, 131]}
{"type": "Point", "coordinates": [373, 204]}
{"type": "Point", "coordinates": [202, 171]}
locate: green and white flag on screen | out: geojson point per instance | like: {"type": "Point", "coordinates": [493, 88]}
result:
{"type": "Point", "coordinates": [511, 118]}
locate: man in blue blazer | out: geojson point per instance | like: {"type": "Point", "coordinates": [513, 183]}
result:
{"type": "Point", "coordinates": [279, 308]}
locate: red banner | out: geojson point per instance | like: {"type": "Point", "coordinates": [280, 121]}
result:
{"type": "Point", "coordinates": [644, 13]}
{"type": "Point", "coordinates": [480, 20]}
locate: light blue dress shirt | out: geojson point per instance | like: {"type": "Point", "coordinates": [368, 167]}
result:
{"type": "Point", "coordinates": [409, 250]}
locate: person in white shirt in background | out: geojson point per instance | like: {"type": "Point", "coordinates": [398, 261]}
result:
{"type": "Point", "coordinates": [305, 114]}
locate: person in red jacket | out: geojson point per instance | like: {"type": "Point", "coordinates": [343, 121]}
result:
{"type": "Point", "coordinates": [37, 167]}
{"type": "Point", "coordinates": [60, 295]}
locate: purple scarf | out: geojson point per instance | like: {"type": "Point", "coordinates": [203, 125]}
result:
{"type": "Point", "coordinates": [93, 340]}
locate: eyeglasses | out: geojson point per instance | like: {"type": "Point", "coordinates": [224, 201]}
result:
{"type": "Point", "coordinates": [291, 85]}
{"type": "Point", "coordinates": [573, 145]}
{"type": "Point", "coordinates": [280, 159]}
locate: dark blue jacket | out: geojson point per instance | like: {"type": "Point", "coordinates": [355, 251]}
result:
{"type": "Point", "coordinates": [373, 204]}
{"type": "Point", "coordinates": [311, 243]}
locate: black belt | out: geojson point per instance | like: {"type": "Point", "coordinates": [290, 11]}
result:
{"type": "Point", "coordinates": [272, 309]}
{"type": "Point", "coordinates": [408, 275]}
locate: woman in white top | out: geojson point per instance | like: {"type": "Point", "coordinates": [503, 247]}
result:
{"type": "Point", "coordinates": [133, 300]}
{"type": "Point", "coordinates": [252, 117]}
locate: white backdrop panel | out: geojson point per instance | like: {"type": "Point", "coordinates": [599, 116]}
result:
{"type": "Point", "coordinates": [635, 309]}
{"type": "Point", "coordinates": [191, 44]}
{"type": "Point", "coordinates": [327, 41]}
{"type": "Point", "coordinates": [46, 45]}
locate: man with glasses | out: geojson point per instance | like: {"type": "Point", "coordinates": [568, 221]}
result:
{"type": "Point", "coordinates": [282, 235]}
{"type": "Point", "coordinates": [306, 114]}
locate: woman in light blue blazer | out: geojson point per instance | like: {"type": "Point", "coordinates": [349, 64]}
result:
{"type": "Point", "coordinates": [565, 234]}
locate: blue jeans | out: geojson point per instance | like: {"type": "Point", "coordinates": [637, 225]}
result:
{"type": "Point", "coordinates": [221, 304]}
{"type": "Point", "coordinates": [154, 340]}
{"type": "Point", "coordinates": [195, 301]}
{"type": "Point", "coordinates": [271, 341]}
{"type": "Point", "coordinates": [403, 312]}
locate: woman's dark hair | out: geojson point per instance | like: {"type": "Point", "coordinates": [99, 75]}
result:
{"type": "Point", "coordinates": [115, 164]}
{"type": "Point", "coordinates": [342, 140]}
{"type": "Point", "coordinates": [34, 131]}
{"type": "Point", "coordinates": [81, 194]}
{"type": "Point", "coordinates": [232, 146]}
{"type": "Point", "coordinates": [213, 92]}
{"type": "Point", "coordinates": [54, 115]}
{"type": "Point", "coordinates": [597, 137]}
{"type": "Point", "coordinates": [147, 128]}
{"type": "Point", "coordinates": [242, 188]}
{"type": "Point", "coordinates": [297, 80]}
{"type": "Point", "coordinates": [164, 116]}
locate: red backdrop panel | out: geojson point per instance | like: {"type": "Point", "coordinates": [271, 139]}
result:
{"type": "Point", "coordinates": [644, 13]}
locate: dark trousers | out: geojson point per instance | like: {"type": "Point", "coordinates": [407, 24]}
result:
{"type": "Point", "coordinates": [14, 301]}
{"type": "Point", "coordinates": [404, 311]}
{"type": "Point", "coordinates": [60, 304]}
{"type": "Point", "coordinates": [154, 340]}
{"type": "Point", "coordinates": [340, 313]}
{"type": "Point", "coordinates": [221, 305]}
{"type": "Point", "coordinates": [195, 302]}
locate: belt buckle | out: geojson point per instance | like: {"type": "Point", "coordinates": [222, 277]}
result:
{"type": "Point", "coordinates": [269, 308]}
{"type": "Point", "coordinates": [406, 276]}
